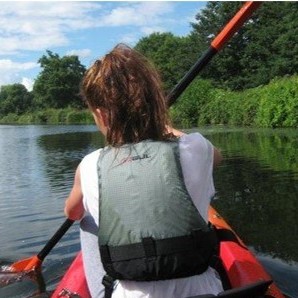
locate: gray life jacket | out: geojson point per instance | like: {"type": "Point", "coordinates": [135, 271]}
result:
{"type": "Point", "coordinates": [149, 228]}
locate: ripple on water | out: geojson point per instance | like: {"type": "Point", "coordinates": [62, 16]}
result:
{"type": "Point", "coordinates": [285, 274]}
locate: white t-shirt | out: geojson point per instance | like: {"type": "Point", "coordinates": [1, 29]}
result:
{"type": "Point", "coordinates": [196, 157]}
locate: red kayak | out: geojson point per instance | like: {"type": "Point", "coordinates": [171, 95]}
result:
{"type": "Point", "coordinates": [242, 274]}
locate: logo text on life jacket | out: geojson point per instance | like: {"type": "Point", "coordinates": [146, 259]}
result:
{"type": "Point", "coordinates": [134, 158]}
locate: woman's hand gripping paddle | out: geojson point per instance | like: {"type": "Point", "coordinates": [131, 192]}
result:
{"type": "Point", "coordinates": [34, 262]}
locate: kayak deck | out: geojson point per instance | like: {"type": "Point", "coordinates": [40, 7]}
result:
{"type": "Point", "coordinates": [238, 267]}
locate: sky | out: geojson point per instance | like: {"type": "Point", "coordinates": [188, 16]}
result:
{"type": "Point", "coordinates": [83, 28]}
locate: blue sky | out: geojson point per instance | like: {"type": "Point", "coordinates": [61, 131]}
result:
{"type": "Point", "coordinates": [87, 29]}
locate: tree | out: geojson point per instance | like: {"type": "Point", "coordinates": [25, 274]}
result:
{"type": "Point", "coordinates": [286, 41]}
{"type": "Point", "coordinates": [273, 45]}
{"type": "Point", "coordinates": [265, 47]}
{"type": "Point", "coordinates": [14, 98]}
{"type": "Point", "coordinates": [57, 86]}
{"type": "Point", "coordinates": [172, 55]}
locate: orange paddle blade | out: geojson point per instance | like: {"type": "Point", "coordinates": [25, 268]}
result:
{"type": "Point", "coordinates": [25, 265]}
{"type": "Point", "coordinates": [34, 262]}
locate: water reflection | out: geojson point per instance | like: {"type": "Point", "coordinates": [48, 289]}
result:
{"type": "Point", "coordinates": [61, 154]}
{"type": "Point", "coordinates": [261, 204]}
{"type": "Point", "coordinates": [257, 189]}
{"type": "Point", "coordinates": [277, 149]}
{"type": "Point", "coordinates": [36, 173]}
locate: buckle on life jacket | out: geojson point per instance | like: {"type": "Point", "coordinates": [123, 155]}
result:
{"type": "Point", "coordinates": [108, 283]}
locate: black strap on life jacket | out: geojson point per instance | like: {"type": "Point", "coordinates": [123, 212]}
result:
{"type": "Point", "coordinates": [150, 247]}
{"type": "Point", "coordinates": [108, 283]}
{"type": "Point", "coordinates": [203, 242]}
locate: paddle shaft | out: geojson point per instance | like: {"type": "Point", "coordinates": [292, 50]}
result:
{"type": "Point", "coordinates": [216, 45]}
{"type": "Point", "coordinates": [55, 239]}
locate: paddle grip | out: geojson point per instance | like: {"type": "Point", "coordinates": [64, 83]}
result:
{"type": "Point", "coordinates": [54, 240]}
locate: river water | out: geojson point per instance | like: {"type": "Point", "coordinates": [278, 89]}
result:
{"type": "Point", "coordinates": [257, 192]}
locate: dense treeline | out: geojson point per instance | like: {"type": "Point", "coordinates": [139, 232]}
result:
{"type": "Point", "coordinates": [264, 48]}
{"type": "Point", "coordinates": [272, 105]}
{"type": "Point", "coordinates": [56, 87]}
{"type": "Point", "coordinates": [50, 116]}
{"type": "Point", "coordinates": [231, 90]}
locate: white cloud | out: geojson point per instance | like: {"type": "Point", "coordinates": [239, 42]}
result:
{"type": "Point", "coordinates": [12, 72]}
{"type": "Point", "coordinates": [28, 83]}
{"type": "Point", "coordinates": [129, 39]}
{"type": "Point", "coordinates": [39, 25]}
{"type": "Point", "coordinates": [83, 53]}
{"type": "Point", "coordinates": [137, 14]}
{"type": "Point", "coordinates": [15, 44]}
{"type": "Point", "coordinates": [149, 30]}
{"type": "Point", "coordinates": [36, 26]}
{"type": "Point", "coordinates": [144, 18]}
{"type": "Point", "coordinates": [7, 65]}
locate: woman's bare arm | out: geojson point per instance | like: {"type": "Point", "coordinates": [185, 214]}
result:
{"type": "Point", "coordinates": [74, 208]}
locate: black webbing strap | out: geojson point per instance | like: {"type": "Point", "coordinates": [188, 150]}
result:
{"type": "Point", "coordinates": [108, 283]}
{"type": "Point", "coordinates": [150, 247]}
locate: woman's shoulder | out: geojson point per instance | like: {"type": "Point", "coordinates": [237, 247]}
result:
{"type": "Point", "coordinates": [91, 157]}
{"type": "Point", "coordinates": [196, 140]}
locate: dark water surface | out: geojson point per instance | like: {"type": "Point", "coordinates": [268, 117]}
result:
{"type": "Point", "coordinates": [257, 192]}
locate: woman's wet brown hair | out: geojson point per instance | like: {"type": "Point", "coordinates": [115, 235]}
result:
{"type": "Point", "coordinates": [127, 85]}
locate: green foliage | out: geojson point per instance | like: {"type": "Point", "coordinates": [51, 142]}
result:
{"type": "Point", "coordinates": [79, 117]}
{"type": "Point", "coordinates": [57, 86]}
{"type": "Point", "coordinates": [14, 99]}
{"type": "Point", "coordinates": [261, 50]}
{"type": "Point", "coordinates": [23, 119]}
{"type": "Point", "coordinates": [9, 119]}
{"type": "Point", "coordinates": [273, 105]}
{"type": "Point", "coordinates": [51, 116]}
{"type": "Point", "coordinates": [279, 104]}
{"type": "Point", "coordinates": [213, 112]}
{"type": "Point", "coordinates": [226, 67]}
{"type": "Point", "coordinates": [172, 55]}
{"type": "Point", "coordinates": [188, 109]}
